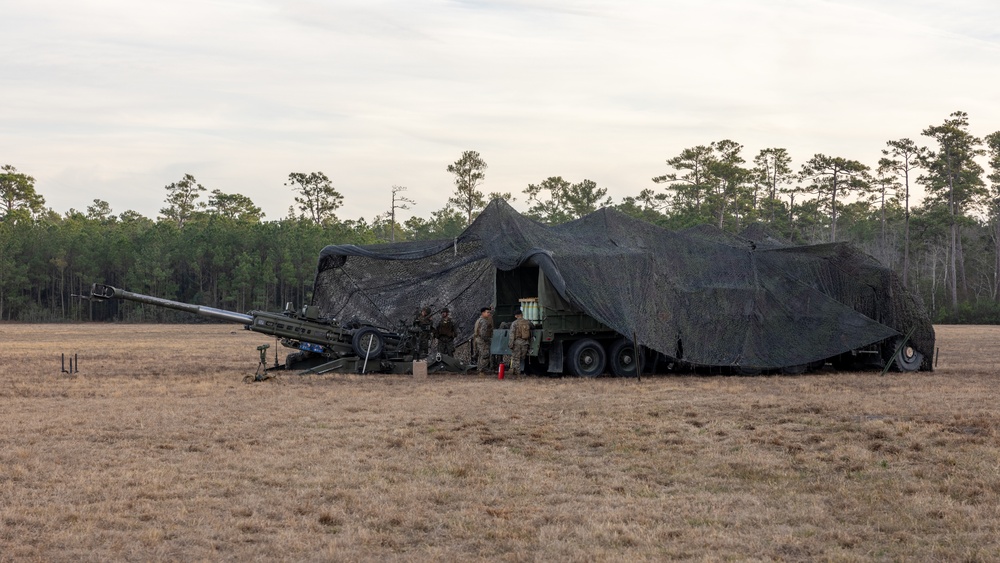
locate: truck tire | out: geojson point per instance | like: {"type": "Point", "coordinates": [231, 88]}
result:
{"type": "Point", "coordinates": [623, 359]}
{"type": "Point", "coordinates": [368, 342]}
{"type": "Point", "coordinates": [586, 358]}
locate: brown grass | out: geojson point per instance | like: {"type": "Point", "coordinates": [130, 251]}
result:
{"type": "Point", "coordinates": [157, 450]}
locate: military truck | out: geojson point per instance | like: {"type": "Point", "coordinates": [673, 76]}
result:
{"type": "Point", "coordinates": [564, 340]}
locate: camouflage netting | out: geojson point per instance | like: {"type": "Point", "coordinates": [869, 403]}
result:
{"type": "Point", "coordinates": [700, 295]}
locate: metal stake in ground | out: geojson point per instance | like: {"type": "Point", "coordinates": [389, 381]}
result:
{"type": "Point", "coordinates": [74, 364]}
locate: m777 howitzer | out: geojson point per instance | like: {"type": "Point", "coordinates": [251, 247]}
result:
{"type": "Point", "coordinates": [322, 344]}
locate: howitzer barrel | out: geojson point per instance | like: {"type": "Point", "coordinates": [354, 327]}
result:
{"type": "Point", "coordinates": [102, 292]}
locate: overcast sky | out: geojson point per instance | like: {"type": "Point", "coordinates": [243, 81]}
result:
{"type": "Point", "coordinates": [115, 99]}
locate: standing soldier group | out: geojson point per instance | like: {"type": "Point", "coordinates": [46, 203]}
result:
{"type": "Point", "coordinates": [482, 336]}
{"type": "Point", "coordinates": [423, 325]}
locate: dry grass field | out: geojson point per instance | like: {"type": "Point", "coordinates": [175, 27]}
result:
{"type": "Point", "coordinates": [156, 450]}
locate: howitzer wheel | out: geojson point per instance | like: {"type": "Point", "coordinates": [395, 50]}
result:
{"type": "Point", "coordinates": [368, 343]}
{"type": "Point", "coordinates": [294, 358]}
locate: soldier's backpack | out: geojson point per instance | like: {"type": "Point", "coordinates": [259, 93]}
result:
{"type": "Point", "coordinates": [522, 330]}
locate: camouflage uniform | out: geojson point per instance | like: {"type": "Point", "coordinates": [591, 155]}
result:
{"type": "Point", "coordinates": [482, 336]}
{"type": "Point", "coordinates": [445, 333]}
{"type": "Point", "coordinates": [519, 341]}
{"type": "Point", "coordinates": [424, 325]}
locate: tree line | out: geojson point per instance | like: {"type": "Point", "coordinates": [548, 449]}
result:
{"type": "Point", "coordinates": [218, 249]}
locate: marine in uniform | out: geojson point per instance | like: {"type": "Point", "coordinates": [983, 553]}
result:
{"type": "Point", "coordinates": [519, 341]}
{"type": "Point", "coordinates": [482, 336]}
{"type": "Point", "coordinates": [424, 325]}
{"type": "Point", "coordinates": [445, 333]}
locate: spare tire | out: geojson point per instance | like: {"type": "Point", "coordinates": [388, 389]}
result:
{"type": "Point", "coordinates": [908, 359]}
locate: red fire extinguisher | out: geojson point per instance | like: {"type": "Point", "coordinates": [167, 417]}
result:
{"type": "Point", "coordinates": [500, 373]}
